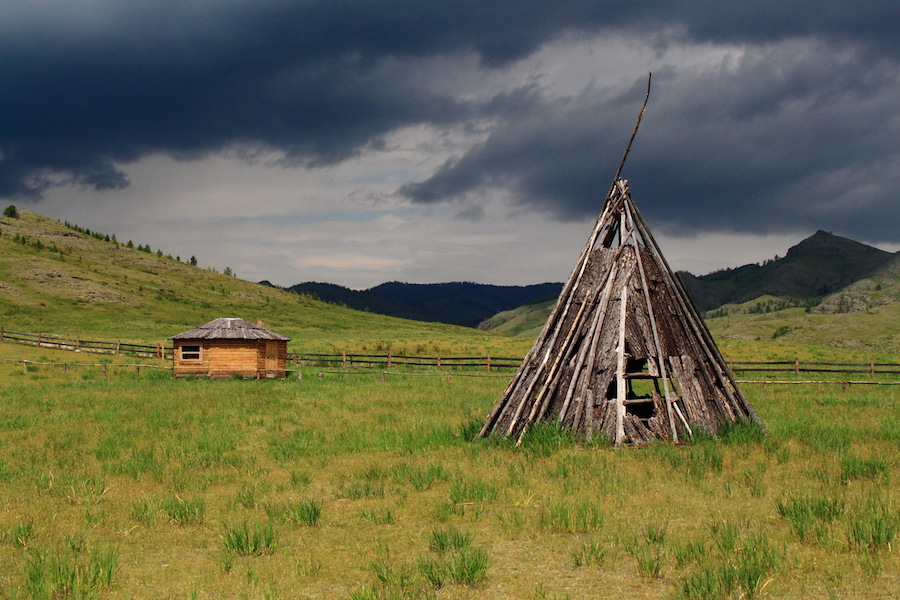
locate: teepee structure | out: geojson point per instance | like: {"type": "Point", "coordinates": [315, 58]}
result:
{"type": "Point", "coordinates": [625, 353]}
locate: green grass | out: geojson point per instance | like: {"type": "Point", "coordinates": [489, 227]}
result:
{"type": "Point", "coordinates": [350, 487]}
{"type": "Point", "coordinates": [251, 538]}
{"type": "Point", "coordinates": [192, 474]}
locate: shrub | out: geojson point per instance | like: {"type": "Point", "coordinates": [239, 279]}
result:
{"type": "Point", "coordinates": [11, 211]}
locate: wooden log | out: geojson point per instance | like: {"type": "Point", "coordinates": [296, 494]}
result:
{"type": "Point", "coordinates": [689, 311]}
{"type": "Point", "coordinates": [656, 339]}
{"type": "Point", "coordinates": [557, 317]}
{"type": "Point", "coordinates": [597, 323]}
{"type": "Point", "coordinates": [620, 372]}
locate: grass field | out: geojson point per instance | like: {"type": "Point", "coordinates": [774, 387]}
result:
{"type": "Point", "coordinates": [119, 483]}
{"type": "Point", "coordinates": [133, 485]}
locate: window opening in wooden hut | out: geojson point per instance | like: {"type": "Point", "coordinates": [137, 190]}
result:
{"type": "Point", "coordinates": [190, 353]}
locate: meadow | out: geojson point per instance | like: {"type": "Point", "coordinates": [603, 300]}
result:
{"type": "Point", "coordinates": [135, 485]}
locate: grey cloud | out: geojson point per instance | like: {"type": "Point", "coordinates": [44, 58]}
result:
{"type": "Point", "coordinates": [89, 87]}
{"type": "Point", "coordinates": [746, 148]}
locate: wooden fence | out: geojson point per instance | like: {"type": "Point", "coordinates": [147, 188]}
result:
{"type": "Point", "coordinates": [104, 367]}
{"type": "Point", "coordinates": [347, 360]}
{"type": "Point", "coordinates": [82, 345]}
{"type": "Point", "coordinates": [797, 367]}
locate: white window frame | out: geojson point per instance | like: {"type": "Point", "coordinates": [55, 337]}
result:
{"type": "Point", "coordinates": [192, 354]}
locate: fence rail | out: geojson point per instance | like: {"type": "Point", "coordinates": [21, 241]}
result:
{"type": "Point", "coordinates": [388, 361]}
{"type": "Point", "coordinates": [346, 359]}
{"type": "Point", "coordinates": [81, 345]}
{"type": "Point", "coordinates": [797, 366]}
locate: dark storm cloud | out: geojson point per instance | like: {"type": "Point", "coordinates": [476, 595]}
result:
{"type": "Point", "coordinates": [88, 87]}
{"type": "Point", "coordinates": [795, 137]}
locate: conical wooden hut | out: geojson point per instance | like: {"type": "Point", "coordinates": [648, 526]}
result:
{"type": "Point", "coordinates": [229, 347]}
{"type": "Point", "coordinates": [625, 354]}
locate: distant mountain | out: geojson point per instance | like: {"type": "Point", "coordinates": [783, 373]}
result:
{"type": "Point", "coordinates": [457, 303]}
{"type": "Point", "coordinates": [816, 267]}
{"type": "Point", "coordinates": [813, 270]}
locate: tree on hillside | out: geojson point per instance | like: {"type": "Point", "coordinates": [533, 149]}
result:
{"type": "Point", "coordinates": [11, 211]}
{"type": "Point", "coordinates": [193, 261]}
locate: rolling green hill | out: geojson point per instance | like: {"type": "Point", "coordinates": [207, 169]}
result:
{"type": "Point", "coordinates": [816, 267]}
{"type": "Point", "coordinates": [524, 321]}
{"type": "Point", "coordinates": [70, 282]}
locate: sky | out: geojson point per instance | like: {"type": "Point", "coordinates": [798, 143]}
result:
{"type": "Point", "coordinates": [363, 141]}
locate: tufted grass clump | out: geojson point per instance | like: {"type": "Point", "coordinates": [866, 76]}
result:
{"type": "Point", "coordinates": [307, 512]}
{"type": "Point", "coordinates": [72, 571]}
{"type": "Point", "coordinates": [251, 538]}
{"type": "Point", "coordinates": [457, 561]}
{"type": "Point", "coordinates": [182, 511]}
{"type": "Point", "coordinates": [570, 518]}
{"type": "Point", "coordinates": [872, 525]}
{"type": "Point", "coordinates": [810, 515]}
{"type": "Point", "coordinates": [445, 539]}
{"type": "Point", "coordinates": [589, 553]}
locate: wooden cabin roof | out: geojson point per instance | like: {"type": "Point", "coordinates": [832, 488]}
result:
{"type": "Point", "coordinates": [229, 329]}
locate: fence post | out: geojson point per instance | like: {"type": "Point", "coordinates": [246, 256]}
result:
{"type": "Point", "coordinates": [489, 362]}
{"type": "Point", "coordinates": [872, 367]}
{"type": "Point", "coordinates": [383, 377]}
{"type": "Point", "coordinates": [2, 333]}
{"type": "Point", "coordinates": [389, 359]}
{"type": "Point", "coordinates": [24, 366]}
{"type": "Point", "coordinates": [118, 343]}
{"type": "Point", "coordinates": [65, 367]}
{"type": "Point", "coordinates": [104, 370]}
{"type": "Point", "coordinates": [344, 358]}
{"type": "Point", "coordinates": [78, 344]}
{"type": "Point", "coordinates": [438, 362]}
{"type": "Point", "coordinates": [40, 339]}
{"type": "Point", "coordinates": [797, 366]}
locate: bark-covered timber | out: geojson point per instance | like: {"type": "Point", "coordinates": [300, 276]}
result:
{"type": "Point", "coordinates": [624, 354]}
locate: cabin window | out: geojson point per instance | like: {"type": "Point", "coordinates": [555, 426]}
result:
{"type": "Point", "coordinates": [190, 353]}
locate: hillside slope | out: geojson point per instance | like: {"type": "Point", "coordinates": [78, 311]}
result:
{"type": "Point", "coordinates": [816, 267]}
{"type": "Point", "coordinates": [57, 280]}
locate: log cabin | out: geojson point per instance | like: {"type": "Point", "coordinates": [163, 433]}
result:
{"type": "Point", "coordinates": [229, 347]}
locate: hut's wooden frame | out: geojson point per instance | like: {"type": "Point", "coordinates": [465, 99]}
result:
{"type": "Point", "coordinates": [622, 317]}
{"type": "Point", "coordinates": [230, 347]}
